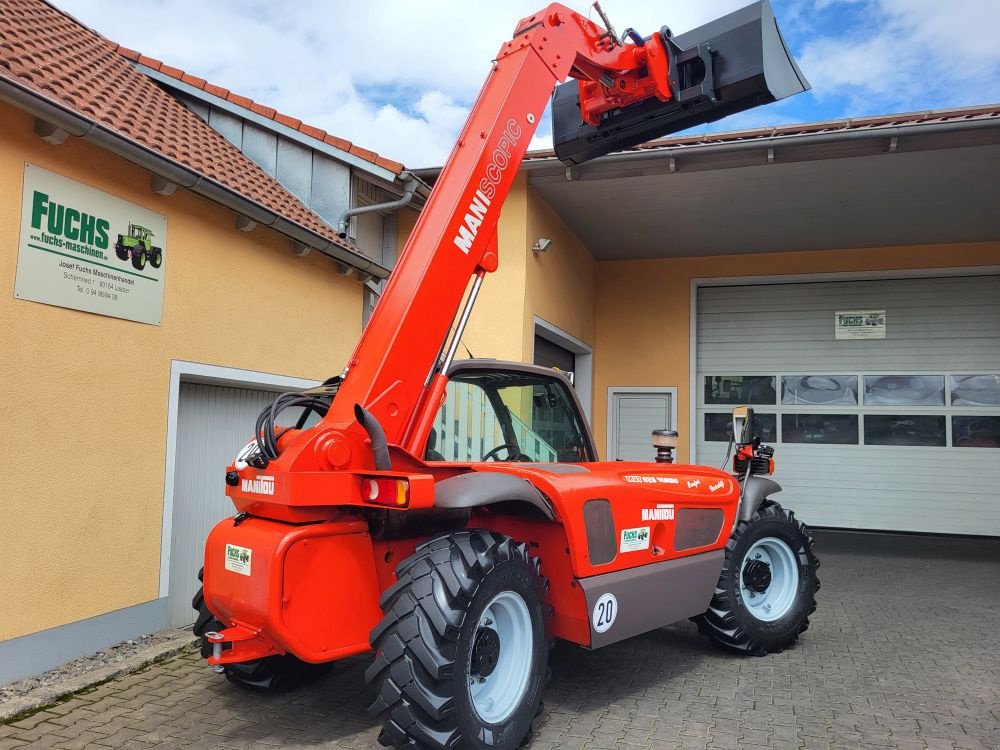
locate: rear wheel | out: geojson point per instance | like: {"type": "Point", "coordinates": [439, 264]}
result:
{"type": "Point", "coordinates": [139, 258]}
{"type": "Point", "coordinates": [156, 257]}
{"type": "Point", "coordinates": [767, 588]}
{"type": "Point", "coordinates": [273, 673]}
{"type": "Point", "coordinates": [461, 654]}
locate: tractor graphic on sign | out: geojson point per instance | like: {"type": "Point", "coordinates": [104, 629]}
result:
{"type": "Point", "coordinates": [138, 245]}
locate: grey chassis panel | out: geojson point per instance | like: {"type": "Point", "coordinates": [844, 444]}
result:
{"type": "Point", "coordinates": [562, 468]}
{"type": "Point", "coordinates": [756, 491]}
{"type": "Point", "coordinates": [652, 596]}
{"type": "Point", "coordinates": [477, 489]}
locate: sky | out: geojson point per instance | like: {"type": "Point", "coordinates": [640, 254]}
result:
{"type": "Point", "coordinates": [399, 76]}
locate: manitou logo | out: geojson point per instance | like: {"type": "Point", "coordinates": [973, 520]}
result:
{"type": "Point", "coordinates": [259, 486]}
{"type": "Point", "coordinates": [480, 204]}
{"type": "Point", "coordinates": [660, 513]}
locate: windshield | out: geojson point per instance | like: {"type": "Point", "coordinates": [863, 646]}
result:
{"type": "Point", "coordinates": [507, 416]}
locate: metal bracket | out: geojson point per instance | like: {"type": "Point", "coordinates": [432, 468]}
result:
{"type": "Point", "coordinates": [161, 185]}
{"type": "Point", "coordinates": [300, 249]}
{"type": "Point", "coordinates": [243, 224]}
{"type": "Point", "coordinates": [50, 133]}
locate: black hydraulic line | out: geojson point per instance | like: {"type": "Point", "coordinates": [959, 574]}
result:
{"type": "Point", "coordinates": [380, 448]}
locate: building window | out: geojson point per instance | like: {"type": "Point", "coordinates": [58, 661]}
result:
{"type": "Point", "coordinates": [819, 390]}
{"type": "Point", "coordinates": [719, 427]}
{"type": "Point", "coordinates": [975, 390]}
{"type": "Point", "coordinates": [974, 431]}
{"type": "Point", "coordinates": [740, 389]}
{"type": "Point", "coordinates": [822, 429]}
{"type": "Point", "coordinates": [905, 429]}
{"type": "Point", "coordinates": [904, 390]}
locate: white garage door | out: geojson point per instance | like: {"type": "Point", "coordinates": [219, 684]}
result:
{"type": "Point", "coordinates": [896, 433]}
{"type": "Point", "coordinates": [213, 423]}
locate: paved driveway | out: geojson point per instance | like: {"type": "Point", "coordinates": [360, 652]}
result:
{"type": "Point", "coordinates": [904, 652]}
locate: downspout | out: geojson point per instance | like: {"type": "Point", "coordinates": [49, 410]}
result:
{"type": "Point", "coordinates": [409, 188]}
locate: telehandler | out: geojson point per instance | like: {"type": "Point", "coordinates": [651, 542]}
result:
{"type": "Point", "coordinates": [452, 517]}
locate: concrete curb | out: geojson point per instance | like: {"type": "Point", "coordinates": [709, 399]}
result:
{"type": "Point", "coordinates": [41, 697]}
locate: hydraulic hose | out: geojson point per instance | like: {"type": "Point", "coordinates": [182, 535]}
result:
{"type": "Point", "coordinates": [380, 448]}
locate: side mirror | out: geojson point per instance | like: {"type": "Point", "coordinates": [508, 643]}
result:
{"type": "Point", "coordinates": [743, 427]}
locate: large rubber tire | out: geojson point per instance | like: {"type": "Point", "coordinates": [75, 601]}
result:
{"type": "Point", "coordinates": [436, 615]}
{"type": "Point", "coordinates": [272, 673]}
{"type": "Point", "coordinates": [139, 258]}
{"type": "Point", "coordinates": [120, 250]}
{"type": "Point", "coordinates": [733, 619]}
{"type": "Point", "coordinates": [155, 257]}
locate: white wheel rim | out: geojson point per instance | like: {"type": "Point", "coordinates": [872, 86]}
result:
{"type": "Point", "coordinates": [775, 600]}
{"type": "Point", "coordinates": [495, 696]}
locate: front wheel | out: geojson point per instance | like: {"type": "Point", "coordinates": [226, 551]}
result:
{"type": "Point", "coordinates": [767, 588]}
{"type": "Point", "coordinates": [461, 654]}
{"type": "Point", "coordinates": [139, 258]}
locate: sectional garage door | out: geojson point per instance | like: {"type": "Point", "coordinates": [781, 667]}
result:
{"type": "Point", "coordinates": [213, 423]}
{"type": "Point", "coordinates": [895, 433]}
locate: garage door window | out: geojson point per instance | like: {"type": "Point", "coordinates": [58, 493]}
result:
{"type": "Point", "coordinates": [740, 389]}
{"type": "Point", "coordinates": [975, 390]}
{"type": "Point", "coordinates": [904, 390]}
{"type": "Point", "coordinates": [892, 410]}
{"type": "Point", "coordinates": [823, 429]}
{"type": "Point", "coordinates": [975, 431]}
{"type": "Point", "coordinates": [719, 426]}
{"type": "Point", "coordinates": [905, 429]}
{"type": "Point", "coordinates": [821, 390]}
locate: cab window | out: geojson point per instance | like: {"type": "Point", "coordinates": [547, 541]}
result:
{"type": "Point", "coordinates": [507, 416]}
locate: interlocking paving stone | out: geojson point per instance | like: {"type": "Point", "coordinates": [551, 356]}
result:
{"type": "Point", "coordinates": [903, 653]}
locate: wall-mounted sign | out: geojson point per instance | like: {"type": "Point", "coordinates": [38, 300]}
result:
{"type": "Point", "coordinates": [859, 324]}
{"type": "Point", "coordinates": [87, 250]}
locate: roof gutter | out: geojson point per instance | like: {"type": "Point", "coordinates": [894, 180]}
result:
{"type": "Point", "coordinates": [93, 131]}
{"type": "Point", "coordinates": [756, 143]}
{"type": "Point", "coordinates": [775, 141]}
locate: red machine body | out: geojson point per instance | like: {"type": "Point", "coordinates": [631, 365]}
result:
{"type": "Point", "coordinates": [301, 568]}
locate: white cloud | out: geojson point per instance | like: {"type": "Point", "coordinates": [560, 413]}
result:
{"type": "Point", "coordinates": [909, 53]}
{"type": "Point", "coordinates": [394, 76]}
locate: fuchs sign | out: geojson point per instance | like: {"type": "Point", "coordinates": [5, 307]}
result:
{"type": "Point", "coordinates": [859, 324]}
{"type": "Point", "coordinates": [84, 249]}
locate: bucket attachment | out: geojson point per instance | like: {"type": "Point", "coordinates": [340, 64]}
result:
{"type": "Point", "coordinates": [729, 65]}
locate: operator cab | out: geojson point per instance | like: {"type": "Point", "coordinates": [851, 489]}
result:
{"type": "Point", "coordinates": [509, 411]}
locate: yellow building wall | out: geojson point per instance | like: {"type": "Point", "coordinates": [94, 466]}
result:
{"type": "Point", "coordinates": [644, 310]}
{"type": "Point", "coordinates": [557, 286]}
{"type": "Point", "coordinates": [85, 396]}
{"type": "Point", "coordinates": [560, 283]}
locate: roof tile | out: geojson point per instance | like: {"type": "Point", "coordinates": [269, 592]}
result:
{"type": "Point", "coordinates": [172, 71]}
{"type": "Point", "coordinates": [260, 109]}
{"type": "Point", "coordinates": [312, 132]}
{"type": "Point", "coordinates": [289, 121]}
{"type": "Point", "coordinates": [337, 142]}
{"type": "Point", "coordinates": [363, 153]}
{"type": "Point", "coordinates": [59, 59]}
{"type": "Point", "coordinates": [198, 83]}
{"type": "Point", "coordinates": [218, 91]}
{"type": "Point", "coordinates": [239, 101]}
{"type": "Point", "coordinates": [131, 54]}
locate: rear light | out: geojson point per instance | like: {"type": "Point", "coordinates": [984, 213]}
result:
{"type": "Point", "coordinates": [386, 491]}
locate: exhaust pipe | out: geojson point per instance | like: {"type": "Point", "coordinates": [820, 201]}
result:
{"type": "Point", "coordinates": [729, 65]}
